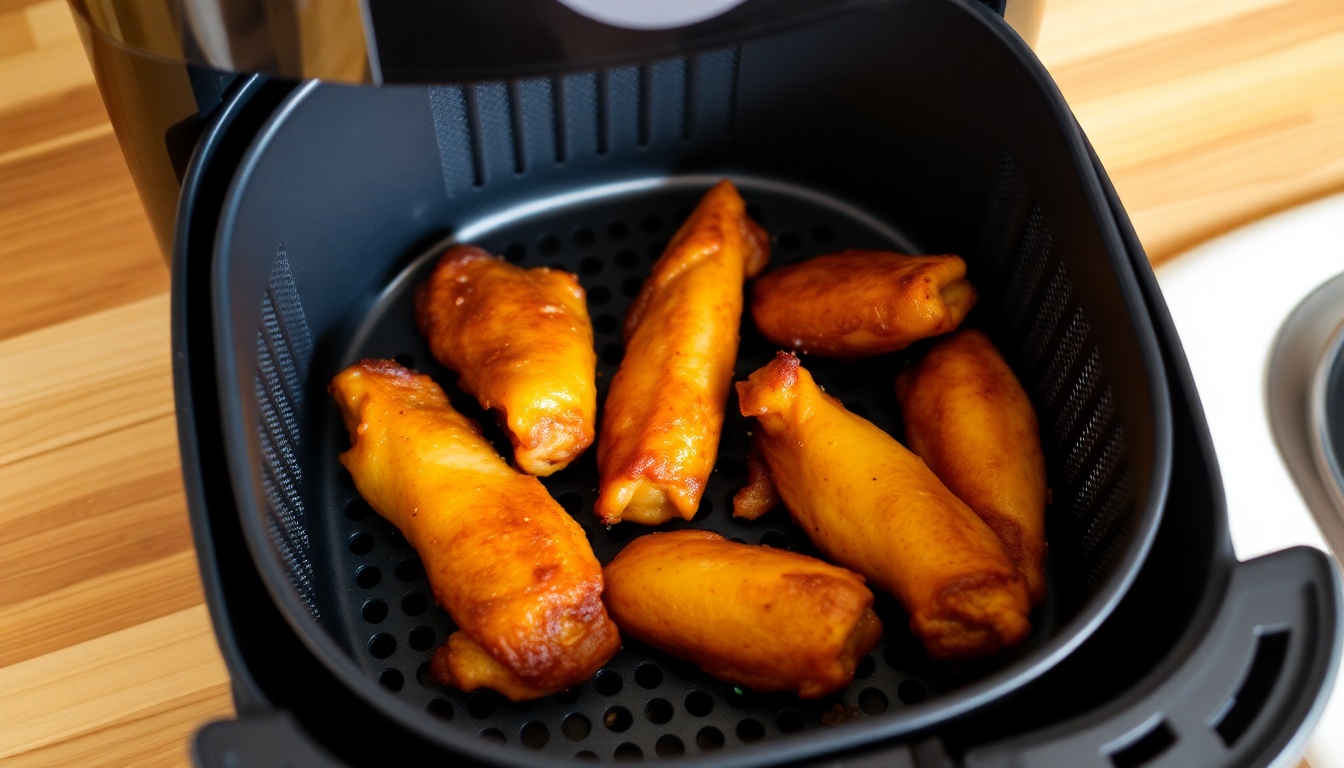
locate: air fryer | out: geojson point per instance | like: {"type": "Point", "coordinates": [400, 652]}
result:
{"type": "Point", "coordinates": [309, 210]}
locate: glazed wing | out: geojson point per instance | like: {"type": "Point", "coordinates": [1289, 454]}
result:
{"type": "Point", "coordinates": [970, 420]}
{"type": "Point", "coordinates": [521, 342]}
{"type": "Point", "coordinates": [664, 413]}
{"type": "Point", "coordinates": [759, 494]}
{"type": "Point", "coordinates": [872, 506]}
{"type": "Point", "coordinates": [511, 567]}
{"type": "Point", "coordinates": [765, 618]}
{"type": "Point", "coordinates": [861, 303]}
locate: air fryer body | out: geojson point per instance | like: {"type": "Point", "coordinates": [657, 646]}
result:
{"type": "Point", "coordinates": [309, 211]}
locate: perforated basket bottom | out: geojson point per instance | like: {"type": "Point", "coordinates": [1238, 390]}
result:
{"type": "Point", "coordinates": [643, 704]}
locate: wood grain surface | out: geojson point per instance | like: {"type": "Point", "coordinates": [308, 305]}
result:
{"type": "Point", "coordinates": [1206, 113]}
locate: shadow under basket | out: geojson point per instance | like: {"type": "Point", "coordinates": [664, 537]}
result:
{"type": "Point", "coordinates": [926, 127]}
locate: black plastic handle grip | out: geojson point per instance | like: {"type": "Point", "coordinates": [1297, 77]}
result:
{"type": "Point", "coordinates": [1236, 698]}
{"type": "Point", "coordinates": [269, 740]}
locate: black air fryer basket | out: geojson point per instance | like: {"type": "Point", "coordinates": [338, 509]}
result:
{"type": "Point", "coordinates": [310, 213]}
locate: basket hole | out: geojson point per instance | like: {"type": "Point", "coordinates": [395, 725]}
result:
{"type": "Point", "coordinates": [346, 479]}
{"type": "Point", "coordinates": [631, 286]}
{"type": "Point", "coordinates": [382, 645]}
{"type": "Point", "coordinates": [911, 692]}
{"type": "Point", "coordinates": [651, 223]}
{"type": "Point", "coordinates": [709, 739]}
{"type": "Point", "coordinates": [414, 603]}
{"type": "Point", "coordinates": [534, 735]}
{"type": "Point", "coordinates": [405, 360]}
{"type": "Point", "coordinates": [658, 711]}
{"type": "Point", "coordinates": [586, 756]}
{"type": "Point", "coordinates": [391, 679]}
{"type": "Point", "coordinates": [515, 252]}
{"type": "Point", "coordinates": [706, 508]}
{"type": "Point", "coordinates": [669, 746]}
{"type": "Point", "coordinates": [873, 701]}
{"type": "Point", "coordinates": [422, 638]}
{"type": "Point", "coordinates": [361, 544]}
{"type": "Point", "coordinates": [355, 509]}
{"type": "Point", "coordinates": [789, 241]}
{"type": "Point", "coordinates": [846, 381]}
{"type": "Point", "coordinates": [608, 683]}
{"type": "Point", "coordinates": [598, 295]}
{"type": "Point", "coordinates": [584, 237]}
{"type": "Point", "coordinates": [618, 230]}
{"type": "Point", "coordinates": [423, 677]}
{"type": "Point", "coordinates": [750, 730]}
{"type": "Point", "coordinates": [591, 266]}
{"type": "Point", "coordinates": [628, 753]}
{"type": "Point", "coordinates": [606, 323]}
{"type": "Point", "coordinates": [865, 668]}
{"type": "Point", "coordinates": [730, 467]}
{"type": "Point", "coordinates": [374, 611]}
{"type": "Point", "coordinates": [549, 245]}
{"type": "Point", "coordinates": [617, 719]}
{"type": "Point", "coordinates": [699, 703]}
{"type": "Point", "coordinates": [407, 569]}
{"type": "Point", "coordinates": [440, 708]}
{"type": "Point", "coordinates": [576, 727]}
{"type": "Point", "coordinates": [823, 234]}
{"type": "Point", "coordinates": [790, 721]}
{"type": "Point", "coordinates": [612, 354]}
{"type": "Point", "coordinates": [626, 258]}
{"type": "Point", "coordinates": [367, 576]}
{"type": "Point", "coordinates": [572, 501]}
{"type": "Point", "coordinates": [493, 734]}
{"type": "Point", "coordinates": [1271, 648]}
{"type": "Point", "coordinates": [898, 658]}
{"type": "Point", "coordinates": [774, 539]}
{"type": "Point", "coordinates": [1146, 748]}
{"type": "Point", "coordinates": [648, 675]}
{"type": "Point", "coordinates": [481, 705]}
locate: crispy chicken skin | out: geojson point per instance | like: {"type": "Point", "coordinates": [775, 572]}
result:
{"type": "Point", "coordinates": [521, 342]}
{"type": "Point", "coordinates": [664, 413]}
{"type": "Point", "coordinates": [970, 420]}
{"type": "Point", "coordinates": [855, 304]}
{"type": "Point", "coordinates": [759, 494]}
{"type": "Point", "coordinates": [872, 506]}
{"type": "Point", "coordinates": [769, 619]}
{"type": "Point", "coordinates": [511, 567]}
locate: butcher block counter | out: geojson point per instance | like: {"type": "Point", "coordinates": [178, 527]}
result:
{"type": "Point", "coordinates": [1207, 114]}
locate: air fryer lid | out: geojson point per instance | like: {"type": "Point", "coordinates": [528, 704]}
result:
{"type": "Point", "coordinates": [329, 222]}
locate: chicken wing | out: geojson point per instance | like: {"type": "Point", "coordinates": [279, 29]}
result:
{"type": "Point", "coordinates": [521, 342]}
{"type": "Point", "coordinates": [872, 506]}
{"type": "Point", "coordinates": [759, 494]}
{"type": "Point", "coordinates": [970, 420]}
{"type": "Point", "coordinates": [511, 567]}
{"type": "Point", "coordinates": [765, 618]}
{"type": "Point", "coordinates": [861, 303]}
{"type": "Point", "coordinates": [664, 413]}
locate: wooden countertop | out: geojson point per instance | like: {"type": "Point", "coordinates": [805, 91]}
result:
{"type": "Point", "coordinates": [1206, 113]}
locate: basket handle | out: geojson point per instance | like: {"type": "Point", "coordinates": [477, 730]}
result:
{"type": "Point", "coordinates": [1235, 698]}
{"type": "Point", "coordinates": [271, 739]}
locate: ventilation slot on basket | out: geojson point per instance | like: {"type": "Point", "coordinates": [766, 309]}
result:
{"type": "Point", "coordinates": [489, 131]}
{"type": "Point", "coordinates": [1060, 365]}
{"type": "Point", "coordinates": [283, 350]}
{"type": "Point", "coordinates": [1271, 649]}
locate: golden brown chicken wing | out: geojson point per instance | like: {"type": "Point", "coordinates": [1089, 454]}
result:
{"type": "Point", "coordinates": [759, 494]}
{"type": "Point", "coordinates": [664, 412]}
{"type": "Point", "coordinates": [873, 506]}
{"type": "Point", "coordinates": [511, 567]}
{"type": "Point", "coordinates": [970, 420]}
{"type": "Point", "coordinates": [521, 342]}
{"type": "Point", "coordinates": [861, 303]}
{"type": "Point", "coordinates": [765, 618]}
